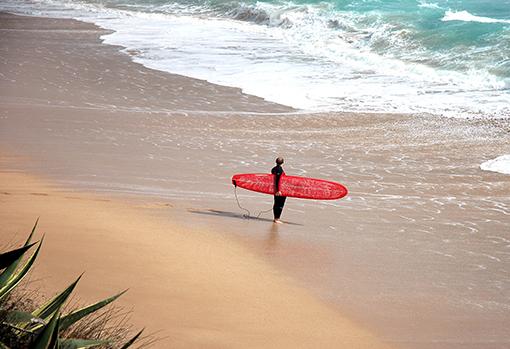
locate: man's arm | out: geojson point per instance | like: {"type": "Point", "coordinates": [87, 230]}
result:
{"type": "Point", "coordinates": [278, 173]}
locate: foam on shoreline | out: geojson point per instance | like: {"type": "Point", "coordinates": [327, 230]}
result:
{"type": "Point", "coordinates": [309, 57]}
{"type": "Point", "coordinates": [500, 164]}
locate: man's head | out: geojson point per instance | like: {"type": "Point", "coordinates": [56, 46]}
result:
{"type": "Point", "coordinates": [279, 160]}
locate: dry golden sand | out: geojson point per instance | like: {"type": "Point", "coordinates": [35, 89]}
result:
{"type": "Point", "coordinates": [200, 289]}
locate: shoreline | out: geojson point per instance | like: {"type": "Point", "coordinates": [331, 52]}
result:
{"type": "Point", "coordinates": [186, 90]}
{"type": "Point", "coordinates": [420, 218]}
{"type": "Point", "coordinates": [386, 83]}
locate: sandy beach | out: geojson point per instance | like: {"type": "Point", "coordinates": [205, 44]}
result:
{"type": "Point", "coordinates": [195, 288]}
{"type": "Point", "coordinates": [129, 169]}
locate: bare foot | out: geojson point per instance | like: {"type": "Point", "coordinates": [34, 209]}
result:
{"type": "Point", "coordinates": [277, 221]}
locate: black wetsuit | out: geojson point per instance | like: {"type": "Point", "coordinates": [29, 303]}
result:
{"type": "Point", "coordinates": [279, 201]}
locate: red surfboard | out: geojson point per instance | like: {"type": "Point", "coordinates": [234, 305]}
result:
{"type": "Point", "coordinates": [292, 186]}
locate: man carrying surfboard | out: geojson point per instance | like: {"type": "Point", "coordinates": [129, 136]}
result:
{"type": "Point", "coordinates": [283, 186]}
{"type": "Point", "coordinates": [279, 200]}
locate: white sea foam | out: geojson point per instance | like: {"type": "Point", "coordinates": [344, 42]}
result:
{"type": "Point", "coordinates": [306, 66]}
{"type": "Point", "coordinates": [500, 164]}
{"type": "Point", "coordinates": [309, 64]}
{"type": "Point", "coordinates": [432, 5]}
{"type": "Point", "coordinates": [465, 16]}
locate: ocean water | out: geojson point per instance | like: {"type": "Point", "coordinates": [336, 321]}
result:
{"type": "Point", "coordinates": [442, 57]}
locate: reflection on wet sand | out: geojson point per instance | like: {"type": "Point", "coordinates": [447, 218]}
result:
{"type": "Point", "coordinates": [272, 240]}
{"type": "Point", "coordinates": [213, 212]}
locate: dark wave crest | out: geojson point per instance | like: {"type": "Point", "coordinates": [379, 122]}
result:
{"type": "Point", "coordinates": [258, 16]}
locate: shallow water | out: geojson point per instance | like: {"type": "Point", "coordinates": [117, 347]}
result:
{"type": "Point", "coordinates": [419, 250]}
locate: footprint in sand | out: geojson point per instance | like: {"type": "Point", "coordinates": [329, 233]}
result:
{"type": "Point", "coordinates": [72, 197]}
{"type": "Point", "coordinates": [155, 205]}
{"type": "Point", "coordinates": [79, 198]}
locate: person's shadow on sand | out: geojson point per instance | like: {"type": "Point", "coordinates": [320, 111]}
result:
{"type": "Point", "coordinates": [212, 212]}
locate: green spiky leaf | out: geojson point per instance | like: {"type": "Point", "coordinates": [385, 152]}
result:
{"type": "Point", "coordinates": [11, 269]}
{"type": "Point", "coordinates": [76, 315]}
{"type": "Point", "coordinates": [16, 317]}
{"type": "Point", "coordinates": [81, 343]}
{"type": "Point", "coordinates": [17, 328]}
{"type": "Point", "coordinates": [13, 280]}
{"type": "Point", "coordinates": [10, 257]}
{"type": "Point", "coordinates": [132, 340]}
{"type": "Point", "coordinates": [48, 309]}
{"type": "Point", "coordinates": [48, 337]}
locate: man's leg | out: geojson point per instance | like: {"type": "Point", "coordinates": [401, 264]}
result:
{"type": "Point", "coordinates": [279, 202]}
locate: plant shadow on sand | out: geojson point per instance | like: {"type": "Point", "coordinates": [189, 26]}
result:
{"type": "Point", "coordinates": [212, 212]}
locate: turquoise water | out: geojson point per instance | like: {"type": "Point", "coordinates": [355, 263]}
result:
{"type": "Point", "coordinates": [458, 34]}
{"type": "Point", "coordinates": [443, 57]}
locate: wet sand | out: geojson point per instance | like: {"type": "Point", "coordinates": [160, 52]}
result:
{"type": "Point", "coordinates": [418, 253]}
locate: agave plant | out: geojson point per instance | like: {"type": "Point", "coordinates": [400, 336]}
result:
{"type": "Point", "coordinates": [42, 327]}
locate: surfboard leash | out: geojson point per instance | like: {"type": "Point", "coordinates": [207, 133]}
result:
{"type": "Point", "coordinates": [266, 211]}
{"type": "Point", "coordinates": [245, 209]}
{"type": "Point", "coordinates": [238, 204]}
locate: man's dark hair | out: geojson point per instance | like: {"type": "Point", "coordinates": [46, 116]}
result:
{"type": "Point", "coordinates": [279, 160]}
